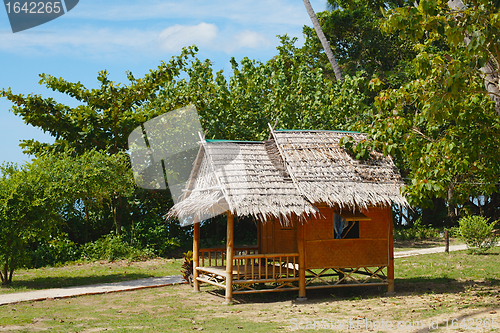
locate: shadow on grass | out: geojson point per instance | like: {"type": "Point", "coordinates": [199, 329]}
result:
{"type": "Point", "coordinates": [421, 285]}
{"type": "Point", "coordinates": [39, 283]}
{"type": "Point", "coordinates": [403, 287]}
{"type": "Point", "coordinates": [464, 322]}
{"type": "Point", "coordinates": [486, 254]}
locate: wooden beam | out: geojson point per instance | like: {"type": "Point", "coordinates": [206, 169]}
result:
{"type": "Point", "coordinates": [196, 251]}
{"type": "Point", "coordinates": [302, 260]}
{"type": "Point", "coordinates": [229, 258]}
{"type": "Point", "coordinates": [390, 268]}
{"type": "Point", "coordinates": [357, 216]}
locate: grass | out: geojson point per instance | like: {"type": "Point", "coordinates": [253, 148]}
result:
{"type": "Point", "coordinates": [90, 273]}
{"type": "Point", "coordinates": [431, 289]}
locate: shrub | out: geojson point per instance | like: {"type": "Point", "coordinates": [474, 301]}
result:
{"type": "Point", "coordinates": [154, 235]}
{"type": "Point", "coordinates": [417, 232]}
{"type": "Point", "coordinates": [477, 233]}
{"type": "Point", "coordinates": [113, 247]}
{"type": "Point", "coordinates": [187, 267]}
{"type": "Point", "coordinates": [57, 250]}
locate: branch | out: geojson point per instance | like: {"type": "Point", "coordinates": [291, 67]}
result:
{"type": "Point", "coordinates": [414, 129]}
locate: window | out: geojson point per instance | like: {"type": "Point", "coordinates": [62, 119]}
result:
{"type": "Point", "coordinates": [345, 229]}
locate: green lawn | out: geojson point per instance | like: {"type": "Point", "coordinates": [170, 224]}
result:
{"type": "Point", "coordinates": [455, 288]}
{"type": "Point", "coordinates": [90, 273]}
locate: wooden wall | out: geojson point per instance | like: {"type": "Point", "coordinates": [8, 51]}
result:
{"type": "Point", "coordinates": [322, 250]}
{"type": "Point", "coordinates": [277, 239]}
{"type": "Point", "coordinates": [370, 249]}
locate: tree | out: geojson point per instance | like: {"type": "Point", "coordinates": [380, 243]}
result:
{"type": "Point", "coordinates": [33, 196]}
{"type": "Point", "coordinates": [324, 41]}
{"type": "Point", "coordinates": [29, 198]}
{"type": "Point", "coordinates": [106, 115]}
{"type": "Point", "coordinates": [442, 128]}
{"type": "Point", "coordinates": [284, 90]}
{"type": "Point", "coordinates": [96, 179]}
{"type": "Point", "coordinates": [469, 29]}
{"type": "Point", "coordinates": [352, 28]}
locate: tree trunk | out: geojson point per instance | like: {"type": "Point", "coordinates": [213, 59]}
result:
{"type": "Point", "coordinates": [4, 274]}
{"type": "Point", "coordinates": [12, 267]}
{"type": "Point", "coordinates": [324, 41]}
{"type": "Point", "coordinates": [489, 71]}
{"type": "Point", "coordinates": [86, 221]}
{"type": "Point", "coordinates": [451, 208]}
{"type": "Point", "coordinates": [116, 201]}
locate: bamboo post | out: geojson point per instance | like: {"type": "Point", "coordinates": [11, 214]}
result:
{"type": "Point", "coordinates": [390, 268]}
{"type": "Point", "coordinates": [302, 261]}
{"type": "Point", "coordinates": [196, 248]}
{"type": "Point", "coordinates": [229, 258]}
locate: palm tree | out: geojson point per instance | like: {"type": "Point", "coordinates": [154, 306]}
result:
{"type": "Point", "coordinates": [324, 42]}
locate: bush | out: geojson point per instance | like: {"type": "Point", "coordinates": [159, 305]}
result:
{"type": "Point", "coordinates": [187, 267]}
{"type": "Point", "coordinates": [57, 250]}
{"type": "Point", "coordinates": [113, 247]}
{"type": "Point", "coordinates": [477, 233]}
{"type": "Point", "coordinates": [417, 232]}
{"type": "Point", "coordinates": [154, 235]}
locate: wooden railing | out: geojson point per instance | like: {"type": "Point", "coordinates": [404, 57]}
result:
{"type": "Point", "coordinates": [266, 267]}
{"type": "Point", "coordinates": [252, 272]}
{"type": "Point", "coordinates": [217, 256]}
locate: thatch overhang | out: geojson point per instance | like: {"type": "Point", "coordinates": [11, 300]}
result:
{"type": "Point", "coordinates": [286, 176]}
{"type": "Point", "coordinates": [242, 177]}
{"type": "Point", "coordinates": [324, 172]}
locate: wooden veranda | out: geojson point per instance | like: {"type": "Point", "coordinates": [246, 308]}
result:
{"type": "Point", "coordinates": [242, 270]}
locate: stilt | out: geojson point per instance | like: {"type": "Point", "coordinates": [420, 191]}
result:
{"type": "Point", "coordinates": [196, 247]}
{"type": "Point", "coordinates": [229, 258]}
{"type": "Point", "coordinates": [302, 262]}
{"type": "Point", "coordinates": [390, 268]}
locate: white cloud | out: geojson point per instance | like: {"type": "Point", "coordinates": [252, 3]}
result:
{"type": "Point", "coordinates": [103, 30]}
{"type": "Point", "coordinates": [252, 39]}
{"type": "Point", "coordinates": [243, 11]}
{"type": "Point", "coordinates": [87, 42]}
{"type": "Point", "coordinates": [175, 37]}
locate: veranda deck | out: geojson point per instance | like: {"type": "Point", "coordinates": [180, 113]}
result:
{"type": "Point", "coordinates": [251, 272]}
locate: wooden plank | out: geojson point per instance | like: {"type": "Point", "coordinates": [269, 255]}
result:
{"type": "Point", "coordinates": [196, 246]}
{"type": "Point", "coordinates": [354, 216]}
{"type": "Point", "coordinates": [390, 268]}
{"type": "Point", "coordinates": [266, 280]}
{"type": "Point", "coordinates": [302, 260]}
{"type": "Point", "coordinates": [347, 285]}
{"type": "Point", "coordinates": [266, 255]}
{"type": "Point", "coordinates": [251, 291]}
{"type": "Point", "coordinates": [205, 280]}
{"type": "Point", "coordinates": [229, 257]}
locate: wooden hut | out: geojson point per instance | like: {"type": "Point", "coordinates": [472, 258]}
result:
{"type": "Point", "coordinates": [324, 219]}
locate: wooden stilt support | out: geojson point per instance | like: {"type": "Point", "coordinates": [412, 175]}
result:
{"type": "Point", "coordinates": [196, 248]}
{"type": "Point", "coordinates": [390, 268]}
{"type": "Point", "coordinates": [302, 261]}
{"type": "Point", "coordinates": [229, 258]}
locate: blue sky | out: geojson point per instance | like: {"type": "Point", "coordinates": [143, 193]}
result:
{"type": "Point", "coordinates": [134, 36]}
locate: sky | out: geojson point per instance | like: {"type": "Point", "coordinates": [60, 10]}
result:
{"type": "Point", "coordinates": [127, 35]}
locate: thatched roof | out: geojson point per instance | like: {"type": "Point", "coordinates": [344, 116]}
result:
{"type": "Point", "coordinates": [286, 175]}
